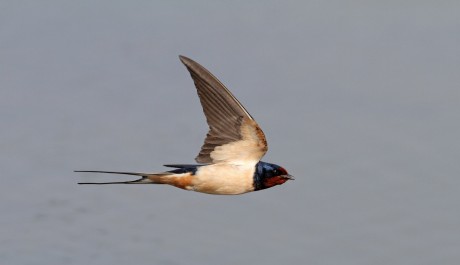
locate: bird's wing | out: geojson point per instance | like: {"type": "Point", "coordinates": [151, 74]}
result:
{"type": "Point", "coordinates": [234, 136]}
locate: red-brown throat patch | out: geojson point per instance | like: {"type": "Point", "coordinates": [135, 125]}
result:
{"type": "Point", "coordinates": [273, 181]}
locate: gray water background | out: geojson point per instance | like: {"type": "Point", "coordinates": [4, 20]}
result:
{"type": "Point", "coordinates": [359, 100]}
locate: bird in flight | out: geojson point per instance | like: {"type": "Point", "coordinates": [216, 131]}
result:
{"type": "Point", "coordinates": [229, 160]}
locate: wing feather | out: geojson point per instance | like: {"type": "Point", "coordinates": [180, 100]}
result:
{"type": "Point", "coordinates": [233, 134]}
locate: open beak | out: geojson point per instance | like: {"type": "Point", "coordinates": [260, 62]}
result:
{"type": "Point", "coordinates": [289, 177]}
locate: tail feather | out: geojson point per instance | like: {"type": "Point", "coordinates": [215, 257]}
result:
{"type": "Point", "coordinates": [137, 181]}
{"type": "Point", "coordinates": [145, 178]}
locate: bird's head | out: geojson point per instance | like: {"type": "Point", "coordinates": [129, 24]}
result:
{"type": "Point", "coordinates": [268, 175]}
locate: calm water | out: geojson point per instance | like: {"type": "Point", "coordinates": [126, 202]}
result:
{"type": "Point", "coordinates": [359, 101]}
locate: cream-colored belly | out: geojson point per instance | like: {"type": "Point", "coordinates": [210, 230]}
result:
{"type": "Point", "coordinates": [223, 179]}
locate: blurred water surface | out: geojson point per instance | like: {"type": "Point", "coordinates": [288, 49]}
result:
{"type": "Point", "coordinates": [359, 101]}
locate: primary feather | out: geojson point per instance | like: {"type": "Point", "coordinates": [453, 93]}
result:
{"type": "Point", "coordinates": [231, 128]}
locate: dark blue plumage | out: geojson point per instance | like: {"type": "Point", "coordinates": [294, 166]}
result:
{"type": "Point", "coordinates": [184, 168]}
{"type": "Point", "coordinates": [266, 175]}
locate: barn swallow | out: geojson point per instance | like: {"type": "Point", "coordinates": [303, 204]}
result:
{"type": "Point", "coordinates": [229, 160]}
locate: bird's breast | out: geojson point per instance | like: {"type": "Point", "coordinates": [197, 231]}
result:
{"type": "Point", "coordinates": [223, 179]}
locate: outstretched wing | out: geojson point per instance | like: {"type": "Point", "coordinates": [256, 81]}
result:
{"type": "Point", "coordinates": [234, 136]}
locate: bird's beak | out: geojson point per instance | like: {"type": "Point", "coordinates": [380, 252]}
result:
{"type": "Point", "coordinates": [289, 177]}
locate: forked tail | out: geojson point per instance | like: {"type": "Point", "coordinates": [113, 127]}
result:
{"type": "Point", "coordinates": [145, 178]}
